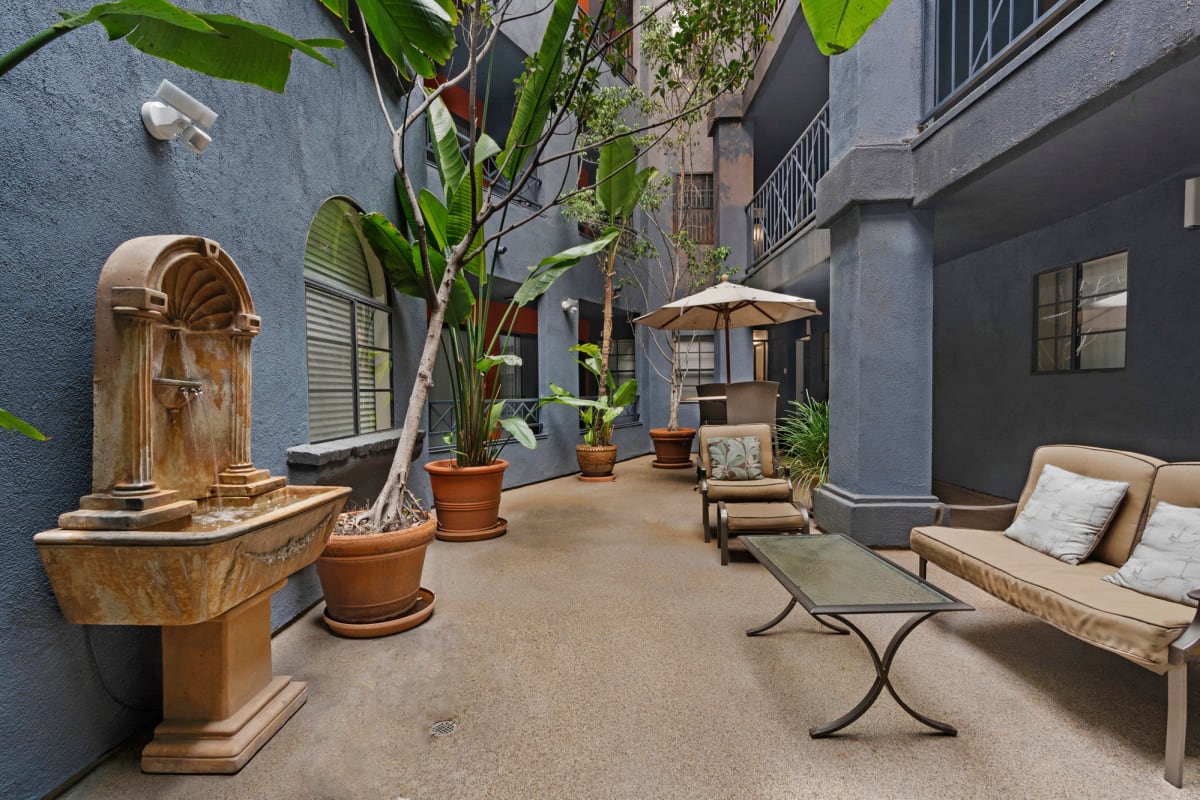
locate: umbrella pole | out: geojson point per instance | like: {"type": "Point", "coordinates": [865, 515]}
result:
{"type": "Point", "coordinates": [728, 354]}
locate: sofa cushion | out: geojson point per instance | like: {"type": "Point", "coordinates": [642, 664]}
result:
{"type": "Point", "coordinates": [1166, 562]}
{"type": "Point", "coordinates": [735, 458]}
{"type": "Point", "coordinates": [1073, 599]}
{"type": "Point", "coordinates": [760, 429]}
{"type": "Point", "coordinates": [1066, 513]}
{"type": "Point", "coordinates": [1113, 465]}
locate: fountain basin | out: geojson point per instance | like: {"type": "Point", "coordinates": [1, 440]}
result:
{"type": "Point", "coordinates": [191, 570]}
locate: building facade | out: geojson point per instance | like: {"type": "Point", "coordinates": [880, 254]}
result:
{"type": "Point", "coordinates": [987, 198]}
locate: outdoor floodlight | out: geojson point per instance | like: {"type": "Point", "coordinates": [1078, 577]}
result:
{"type": "Point", "coordinates": [570, 306]}
{"type": "Point", "coordinates": [174, 112]}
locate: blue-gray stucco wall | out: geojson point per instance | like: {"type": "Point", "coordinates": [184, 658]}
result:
{"type": "Point", "coordinates": [79, 176]}
{"type": "Point", "coordinates": [991, 411]}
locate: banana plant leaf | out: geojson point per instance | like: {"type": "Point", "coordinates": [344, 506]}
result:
{"type": "Point", "coordinates": [837, 25]}
{"type": "Point", "coordinates": [219, 45]}
{"type": "Point", "coordinates": [543, 275]}
{"type": "Point", "coordinates": [451, 166]}
{"type": "Point", "coordinates": [416, 33]}
{"type": "Point", "coordinates": [11, 422]}
{"type": "Point", "coordinates": [396, 255]}
{"type": "Point", "coordinates": [619, 183]}
{"type": "Point", "coordinates": [537, 91]}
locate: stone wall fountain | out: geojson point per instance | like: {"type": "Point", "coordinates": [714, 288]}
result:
{"type": "Point", "coordinates": [181, 530]}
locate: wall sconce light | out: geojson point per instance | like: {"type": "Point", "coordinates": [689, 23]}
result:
{"type": "Point", "coordinates": [570, 306]}
{"type": "Point", "coordinates": [1191, 203]}
{"type": "Point", "coordinates": [758, 234]}
{"type": "Point", "coordinates": [807, 337]}
{"type": "Point", "coordinates": [174, 112]}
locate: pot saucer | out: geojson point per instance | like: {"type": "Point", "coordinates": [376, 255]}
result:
{"type": "Point", "coordinates": [601, 479]}
{"type": "Point", "coordinates": [420, 612]}
{"type": "Point", "coordinates": [499, 529]}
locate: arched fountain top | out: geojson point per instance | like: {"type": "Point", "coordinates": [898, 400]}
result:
{"type": "Point", "coordinates": [190, 280]}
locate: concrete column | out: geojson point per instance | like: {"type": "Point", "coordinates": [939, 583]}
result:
{"type": "Point", "coordinates": [880, 374]}
{"type": "Point", "coordinates": [733, 185]}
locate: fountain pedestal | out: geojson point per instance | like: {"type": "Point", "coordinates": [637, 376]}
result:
{"type": "Point", "coordinates": [221, 701]}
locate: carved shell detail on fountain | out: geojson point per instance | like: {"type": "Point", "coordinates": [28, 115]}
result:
{"type": "Point", "coordinates": [198, 299]}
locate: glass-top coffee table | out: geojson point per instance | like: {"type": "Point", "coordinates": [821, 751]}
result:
{"type": "Point", "coordinates": [833, 576]}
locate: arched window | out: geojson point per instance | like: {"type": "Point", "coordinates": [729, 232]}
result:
{"type": "Point", "coordinates": [349, 327]}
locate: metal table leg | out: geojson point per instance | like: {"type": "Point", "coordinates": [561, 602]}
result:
{"type": "Point", "coordinates": [882, 681]}
{"type": "Point", "coordinates": [780, 617]}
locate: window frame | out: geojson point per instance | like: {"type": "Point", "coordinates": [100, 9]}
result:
{"type": "Point", "coordinates": [1076, 324]}
{"type": "Point", "coordinates": [681, 219]}
{"type": "Point", "coordinates": [317, 283]}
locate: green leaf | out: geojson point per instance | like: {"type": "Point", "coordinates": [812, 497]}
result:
{"type": "Point", "coordinates": [435, 219]}
{"type": "Point", "coordinates": [614, 175]}
{"type": "Point", "coordinates": [625, 394]}
{"type": "Point", "coordinates": [548, 270]}
{"type": "Point", "coordinates": [837, 25]}
{"type": "Point", "coordinates": [149, 9]}
{"type": "Point", "coordinates": [450, 163]}
{"type": "Point", "coordinates": [10, 422]}
{"type": "Point", "coordinates": [488, 363]}
{"type": "Point", "coordinates": [419, 33]}
{"type": "Point", "coordinates": [394, 253]}
{"type": "Point", "coordinates": [340, 9]}
{"type": "Point", "coordinates": [635, 191]}
{"type": "Point", "coordinates": [461, 300]}
{"type": "Point", "coordinates": [219, 45]}
{"type": "Point", "coordinates": [485, 148]}
{"type": "Point", "coordinates": [537, 91]}
{"type": "Point", "coordinates": [461, 215]}
{"type": "Point", "coordinates": [520, 431]}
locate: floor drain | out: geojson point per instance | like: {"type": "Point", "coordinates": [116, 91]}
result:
{"type": "Point", "coordinates": [444, 728]}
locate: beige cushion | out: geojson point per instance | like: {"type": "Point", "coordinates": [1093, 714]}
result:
{"type": "Point", "coordinates": [764, 517]}
{"type": "Point", "coordinates": [1073, 599]}
{"type": "Point", "coordinates": [1114, 465]}
{"type": "Point", "coordinates": [766, 489]}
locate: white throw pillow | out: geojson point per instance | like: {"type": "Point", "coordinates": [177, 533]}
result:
{"type": "Point", "coordinates": [1066, 514]}
{"type": "Point", "coordinates": [1166, 562]}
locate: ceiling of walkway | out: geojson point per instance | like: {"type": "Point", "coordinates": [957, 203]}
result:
{"type": "Point", "coordinates": [1148, 134]}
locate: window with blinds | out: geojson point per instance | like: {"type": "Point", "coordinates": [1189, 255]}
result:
{"type": "Point", "coordinates": [348, 328]}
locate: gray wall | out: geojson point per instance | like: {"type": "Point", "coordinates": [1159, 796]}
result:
{"type": "Point", "coordinates": [80, 175]}
{"type": "Point", "coordinates": [991, 411]}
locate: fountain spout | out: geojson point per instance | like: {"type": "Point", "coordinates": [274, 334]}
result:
{"type": "Point", "coordinates": [174, 393]}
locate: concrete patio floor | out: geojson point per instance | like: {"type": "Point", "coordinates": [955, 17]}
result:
{"type": "Point", "coordinates": [598, 651]}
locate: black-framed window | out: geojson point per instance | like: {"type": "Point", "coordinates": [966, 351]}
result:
{"type": "Point", "coordinates": [1080, 315]}
{"type": "Point", "coordinates": [622, 360]}
{"type": "Point", "coordinates": [348, 327]}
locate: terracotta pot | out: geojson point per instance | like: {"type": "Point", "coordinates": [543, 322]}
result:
{"type": "Point", "coordinates": [467, 500]}
{"type": "Point", "coordinates": [672, 449]}
{"type": "Point", "coordinates": [596, 463]}
{"type": "Point", "coordinates": [374, 578]}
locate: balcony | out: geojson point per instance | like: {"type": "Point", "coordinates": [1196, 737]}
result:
{"type": "Point", "coordinates": [787, 200]}
{"type": "Point", "coordinates": [974, 38]}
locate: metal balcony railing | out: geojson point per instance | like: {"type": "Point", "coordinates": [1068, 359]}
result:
{"type": "Point", "coordinates": [497, 183]}
{"type": "Point", "coordinates": [441, 417]}
{"type": "Point", "coordinates": [787, 199]}
{"type": "Point", "coordinates": [973, 38]}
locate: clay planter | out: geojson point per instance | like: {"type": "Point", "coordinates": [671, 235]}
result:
{"type": "Point", "coordinates": [596, 463]}
{"type": "Point", "coordinates": [672, 449]}
{"type": "Point", "coordinates": [467, 500]}
{"type": "Point", "coordinates": [372, 582]}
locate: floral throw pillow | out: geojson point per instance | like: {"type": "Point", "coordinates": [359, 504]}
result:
{"type": "Point", "coordinates": [1066, 514]}
{"type": "Point", "coordinates": [1166, 562]}
{"type": "Point", "coordinates": [735, 458]}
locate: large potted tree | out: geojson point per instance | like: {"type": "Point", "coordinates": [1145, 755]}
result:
{"type": "Point", "coordinates": [453, 230]}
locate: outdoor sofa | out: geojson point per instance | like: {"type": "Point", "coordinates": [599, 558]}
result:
{"type": "Point", "coordinates": [1158, 634]}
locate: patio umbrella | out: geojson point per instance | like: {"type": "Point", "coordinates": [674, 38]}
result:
{"type": "Point", "coordinates": [729, 305]}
